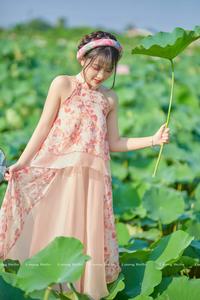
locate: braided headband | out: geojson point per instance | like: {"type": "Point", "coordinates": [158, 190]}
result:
{"type": "Point", "coordinates": [96, 43]}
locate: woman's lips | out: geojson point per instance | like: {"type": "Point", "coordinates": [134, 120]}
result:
{"type": "Point", "coordinates": [97, 81]}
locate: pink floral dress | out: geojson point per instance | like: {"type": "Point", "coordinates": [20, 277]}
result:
{"type": "Point", "coordinates": [66, 190]}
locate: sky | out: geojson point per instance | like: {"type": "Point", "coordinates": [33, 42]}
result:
{"type": "Point", "coordinates": [158, 15]}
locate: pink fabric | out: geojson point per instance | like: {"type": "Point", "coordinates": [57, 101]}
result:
{"type": "Point", "coordinates": [96, 43]}
{"type": "Point", "coordinates": [66, 190]}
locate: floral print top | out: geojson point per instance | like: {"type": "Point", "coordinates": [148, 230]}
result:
{"type": "Point", "coordinates": [80, 124]}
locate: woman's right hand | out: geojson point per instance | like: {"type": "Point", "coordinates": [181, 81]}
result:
{"type": "Point", "coordinates": [15, 167]}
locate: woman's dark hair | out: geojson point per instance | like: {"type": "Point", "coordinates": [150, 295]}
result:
{"type": "Point", "coordinates": [107, 54]}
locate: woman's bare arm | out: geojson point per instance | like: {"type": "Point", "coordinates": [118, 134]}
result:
{"type": "Point", "coordinates": [47, 118]}
{"type": "Point", "coordinates": [117, 143]}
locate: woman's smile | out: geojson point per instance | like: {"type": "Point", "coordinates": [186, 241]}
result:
{"type": "Point", "coordinates": [97, 81]}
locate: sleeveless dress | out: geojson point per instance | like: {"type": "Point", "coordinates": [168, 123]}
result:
{"type": "Point", "coordinates": [66, 190]}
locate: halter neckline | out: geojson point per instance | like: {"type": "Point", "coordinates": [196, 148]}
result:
{"type": "Point", "coordinates": [80, 79]}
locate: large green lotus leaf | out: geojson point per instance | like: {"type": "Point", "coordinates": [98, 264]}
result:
{"type": "Point", "coordinates": [181, 288]}
{"type": "Point", "coordinates": [138, 211]}
{"type": "Point", "coordinates": [179, 172]}
{"type": "Point", "coordinates": [169, 248]}
{"type": "Point", "coordinates": [163, 204]}
{"type": "Point", "coordinates": [8, 292]}
{"type": "Point", "coordinates": [142, 187]}
{"type": "Point", "coordinates": [61, 261]}
{"type": "Point", "coordinates": [125, 199]}
{"type": "Point", "coordinates": [167, 44]}
{"type": "Point", "coordinates": [151, 234]}
{"type": "Point", "coordinates": [137, 244]}
{"type": "Point", "coordinates": [193, 250]}
{"type": "Point", "coordinates": [193, 228]}
{"type": "Point", "coordinates": [123, 235]}
{"type": "Point", "coordinates": [140, 278]}
{"type": "Point", "coordinates": [119, 170]}
{"type": "Point", "coordinates": [8, 282]}
{"type": "Point", "coordinates": [142, 255]}
{"type": "Point", "coordinates": [152, 277]}
{"type": "Point", "coordinates": [162, 286]}
{"type": "Point", "coordinates": [139, 172]}
{"type": "Point", "coordinates": [174, 153]}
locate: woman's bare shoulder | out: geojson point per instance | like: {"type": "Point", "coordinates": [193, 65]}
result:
{"type": "Point", "coordinates": [110, 95]}
{"type": "Point", "coordinates": [65, 85]}
{"type": "Point", "coordinates": [63, 80]}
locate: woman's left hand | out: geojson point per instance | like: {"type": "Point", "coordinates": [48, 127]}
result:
{"type": "Point", "coordinates": [162, 135]}
{"type": "Point", "coordinates": [9, 171]}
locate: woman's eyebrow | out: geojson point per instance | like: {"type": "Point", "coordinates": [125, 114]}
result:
{"type": "Point", "coordinates": [96, 64]}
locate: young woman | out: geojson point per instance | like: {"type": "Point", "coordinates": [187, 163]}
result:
{"type": "Point", "coordinates": [61, 184]}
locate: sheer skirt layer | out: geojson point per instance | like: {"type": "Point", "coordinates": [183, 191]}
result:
{"type": "Point", "coordinates": [42, 203]}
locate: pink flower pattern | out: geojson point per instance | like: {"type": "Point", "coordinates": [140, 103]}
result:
{"type": "Point", "coordinates": [111, 255]}
{"type": "Point", "coordinates": [79, 126]}
{"type": "Point", "coordinates": [25, 189]}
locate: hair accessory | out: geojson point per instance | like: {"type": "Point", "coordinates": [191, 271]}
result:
{"type": "Point", "coordinates": [96, 43]}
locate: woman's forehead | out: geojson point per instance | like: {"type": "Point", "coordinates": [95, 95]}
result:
{"type": "Point", "coordinates": [102, 62]}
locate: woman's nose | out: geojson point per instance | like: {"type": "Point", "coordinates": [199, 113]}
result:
{"type": "Point", "coordinates": [100, 75]}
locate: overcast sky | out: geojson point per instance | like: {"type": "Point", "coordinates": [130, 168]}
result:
{"type": "Point", "coordinates": [160, 15]}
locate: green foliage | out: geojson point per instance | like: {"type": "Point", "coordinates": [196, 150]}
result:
{"type": "Point", "coordinates": [181, 288]}
{"type": "Point", "coordinates": [157, 219]}
{"type": "Point", "coordinates": [163, 204]}
{"type": "Point", "coordinates": [115, 287]}
{"type": "Point", "coordinates": [61, 261]}
{"type": "Point", "coordinates": [167, 44]}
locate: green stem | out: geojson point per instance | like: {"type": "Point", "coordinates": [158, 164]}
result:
{"type": "Point", "coordinates": [47, 293]}
{"type": "Point", "coordinates": [168, 115]}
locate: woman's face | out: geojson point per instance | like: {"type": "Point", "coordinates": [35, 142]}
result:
{"type": "Point", "coordinates": [96, 72]}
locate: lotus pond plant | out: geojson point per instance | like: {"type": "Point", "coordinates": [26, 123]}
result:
{"type": "Point", "coordinates": [167, 45]}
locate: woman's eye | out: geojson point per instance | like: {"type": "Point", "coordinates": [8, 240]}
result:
{"type": "Point", "coordinates": [97, 69]}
